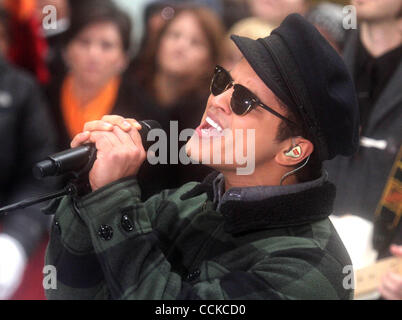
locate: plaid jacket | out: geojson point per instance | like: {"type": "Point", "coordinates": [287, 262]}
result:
{"type": "Point", "coordinates": [109, 245]}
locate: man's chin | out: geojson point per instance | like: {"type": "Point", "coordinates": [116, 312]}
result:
{"type": "Point", "coordinates": [199, 156]}
{"type": "Point", "coordinates": [193, 150]}
{"type": "Point", "coordinates": [196, 153]}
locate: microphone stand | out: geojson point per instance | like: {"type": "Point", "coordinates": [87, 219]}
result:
{"type": "Point", "coordinates": [77, 186]}
{"type": "Point", "coordinates": [70, 190]}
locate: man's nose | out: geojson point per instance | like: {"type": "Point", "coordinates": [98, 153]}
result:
{"type": "Point", "coordinates": [222, 101]}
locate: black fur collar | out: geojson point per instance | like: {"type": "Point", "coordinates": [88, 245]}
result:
{"type": "Point", "coordinates": [275, 212]}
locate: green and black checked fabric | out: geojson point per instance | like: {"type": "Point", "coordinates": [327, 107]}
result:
{"type": "Point", "coordinates": [181, 248]}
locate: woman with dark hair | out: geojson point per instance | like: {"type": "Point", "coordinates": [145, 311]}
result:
{"type": "Point", "coordinates": [176, 72]}
{"type": "Point", "coordinates": [183, 57]}
{"type": "Point", "coordinates": [94, 54]}
{"type": "Point", "coordinates": [92, 82]}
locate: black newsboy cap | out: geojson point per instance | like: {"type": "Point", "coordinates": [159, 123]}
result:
{"type": "Point", "coordinates": [309, 76]}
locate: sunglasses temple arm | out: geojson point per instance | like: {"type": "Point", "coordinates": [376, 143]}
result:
{"type": "Point", "coordinates": [276, 114]}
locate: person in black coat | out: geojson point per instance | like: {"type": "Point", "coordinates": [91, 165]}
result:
{"type": "Point", "coordinates": [27, 136]}
{"type": "Point", "coordinates": [373, 54]}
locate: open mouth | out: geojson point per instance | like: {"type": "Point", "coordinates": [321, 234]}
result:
{"type": "Point", "coordinates": [210, 128]}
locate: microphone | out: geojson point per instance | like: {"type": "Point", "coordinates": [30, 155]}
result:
{"type": "Point", "coordinates": [80, 158]}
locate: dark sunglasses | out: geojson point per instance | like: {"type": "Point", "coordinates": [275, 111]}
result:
{"type": "Point", "coordinates": [243, 100]}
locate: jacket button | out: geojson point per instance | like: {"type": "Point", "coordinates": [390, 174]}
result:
{"type": "Point", "coordinates": [193, 275]}
{"type": "Point", "coordinates": [126, 223]}
{"type": "Point", "coordinates": [105, 232]}
{"type": "Point", "coordinates": [57, 227]}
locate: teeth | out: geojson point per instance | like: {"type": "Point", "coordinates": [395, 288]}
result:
{"type": "Point", "coordinates": [214, 124]}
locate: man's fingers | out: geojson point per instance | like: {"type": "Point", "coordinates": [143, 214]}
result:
{"type": "Point", "coordinates": [122, 123]}
{"type": "Point", "coordinates": [80, 139]}
{"type": "Point", "coordinates": [118, 121]}
{"type": "Point", "coordinates": [98, 125]}
{"type": "Point", "coordinates": [109, 136]}
{"type": "Point", "coordinates": [115, 138]}
{"type": "Point", "coordinates": [124, 137]}
{"type": "Point", "coordinates": [108, 122]}
{"type": "Point", "coordinates": [133, 139]}
{"type": "Point", "coordinates": [104, 141]}
{"type": "Point", "coordinates": [135, 135]}
{"type": "Point", "coordinates": [113, 119]}
{"type": "Point", "coordinates": [135, 123]}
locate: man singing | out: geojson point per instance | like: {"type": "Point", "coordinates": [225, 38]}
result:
{"type": "Point", "coordinates": [265, 235]}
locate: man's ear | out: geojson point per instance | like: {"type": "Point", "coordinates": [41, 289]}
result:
{"type": "Point", "coordinates": [294, 151]}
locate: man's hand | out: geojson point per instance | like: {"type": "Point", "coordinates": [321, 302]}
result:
{"type": "Point", "coordinates": [120, 152]}
{"type": "Point", "coordinates": [391, 286]}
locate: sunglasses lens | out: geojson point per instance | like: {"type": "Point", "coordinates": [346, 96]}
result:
{"type": "Point", "coordinates": [220, 81]}
{"type": "Point", "coordinates": [242, 100]}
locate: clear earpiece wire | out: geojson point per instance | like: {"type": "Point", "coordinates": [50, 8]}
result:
{"type": "Point", "coordinates": [294, 171]}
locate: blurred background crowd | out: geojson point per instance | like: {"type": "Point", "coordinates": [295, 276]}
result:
{"type": "Point", "coordinates": [153, 59]}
